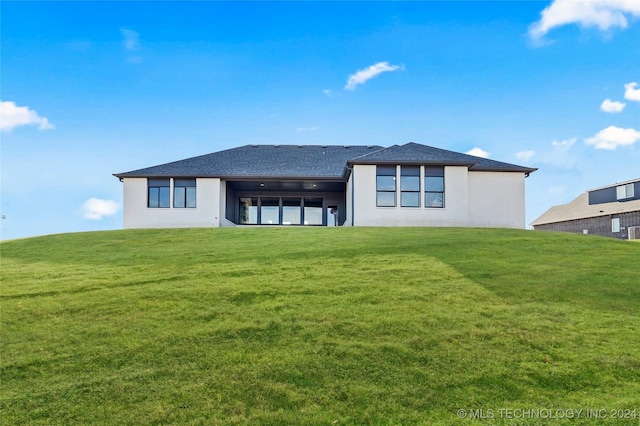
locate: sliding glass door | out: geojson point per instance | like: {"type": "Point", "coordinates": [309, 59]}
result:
{"type": "Point", "coordinates": [313, 211]}
{"type": "Point", "coordinates": [291, 213]}
{"type": "Point", "coordinates": [269, 211]}
{"type": "Point", "coordinates": [248, 211]}
{"type": "Point", "coordinates": [281, 211]}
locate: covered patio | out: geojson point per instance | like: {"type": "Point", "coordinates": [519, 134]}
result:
{"type": "Point", "coordinates": [286, 202]}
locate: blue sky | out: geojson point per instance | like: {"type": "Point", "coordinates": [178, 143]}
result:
{"type": "Point", "coordinates": [94, 88]}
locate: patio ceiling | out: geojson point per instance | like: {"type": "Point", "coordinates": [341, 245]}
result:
{"type": "Point", "coordinates": [287, 186]}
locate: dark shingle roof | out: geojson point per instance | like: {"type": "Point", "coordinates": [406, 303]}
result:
{"type": "Point", "coordinates": [313, 161]}
{"type": "Point", "coordinates": [414, 153]}
{"type": "Point", "coordinates": [277, 161]}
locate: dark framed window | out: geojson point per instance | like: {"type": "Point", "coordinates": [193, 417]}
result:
{"type": "Point", "coordinates": [291, 208]}
{"type": "Point", "coordinates": [312, 211]}
{"type": "Point", "coordinates": [410, 186]}
{"type": "Point", "coordinates": [248, 210]}
{"type": "Point", "coordinates": [386, 186]}
{"type": "Point", "coordinates": [434, 187]}
{"type": "Point", "coordinates": [281, 211]}
{"type": "Point", "coordinates": [269, 211]}
{"type": "Point", "coordinates": [184, 193]}
{"type": "Point", "coordinates": [158, 193]}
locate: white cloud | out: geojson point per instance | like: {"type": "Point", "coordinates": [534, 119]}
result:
{"type": "Point", "coordinates": [612, 106]}
{"type": "Point", "coordinates": [603, 14]}
{"type": "Point", "coordinates": [613, 137]}
{"type": "Point", "coordinates": [368, 73]}
{"type": "Point", "coordinates": [12, 116]}
{"type": "Point", "coordinates": [131, 39]}
{"type": "Point", "coordinates": [96, 209]}
{"type": "Point", "coordinates": [478, 152]}
{"type": "Point", "coordinates": [567, 143]}
{"type": "Point", "coordinates": [307, 129]}
{"type": "Point", "coordinates": [631, 93]}
{"type": "Point", "coordinates": [327, 92]}
{"type": "Point", "coordinates": [525, 155]}
{"type": "Point", "coordinates": [560, 155]}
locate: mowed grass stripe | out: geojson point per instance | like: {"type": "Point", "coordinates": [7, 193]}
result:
{"type": "Point", "coordinates": [279, 326]}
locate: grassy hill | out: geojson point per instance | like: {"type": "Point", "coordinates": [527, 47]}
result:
{"type": "Point", "coordinates": [319, 326]}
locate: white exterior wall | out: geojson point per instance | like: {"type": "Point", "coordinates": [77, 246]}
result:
{"type": "Point", "coordinates": [496, 199]}
{"type": "Point", "coordinates": [206, 214]}
{"type": "Point", "coordinates": [482, 199]}
{"type": "Point", "coordinates": [454, 213]}
{"type": "Point", "coordinates": [348, 196]}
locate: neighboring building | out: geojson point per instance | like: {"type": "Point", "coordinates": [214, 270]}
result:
{"type": "Point", "coordinates": [407, 185]}
{"type": "Point", "coordinates": [610, 211]}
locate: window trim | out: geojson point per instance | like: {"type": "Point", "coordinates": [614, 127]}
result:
{"type": "Point", "coordinates": [625, 191]}
{"type": "Point", "coordinates": [382, 171]}
{"type": "Point", "coordinates": [181, 184]}
{"type": "Point", "coordinates": [409, 171]}
{"type": "Point", "coordinates": [158, 184]}
{"type": "Point", "coordinates": [434, 171]}
{"type": "Point", "coordinates": [615, 224]}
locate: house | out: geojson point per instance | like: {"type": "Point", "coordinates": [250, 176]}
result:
{"type": "Point", "coordinates": [611, 211]}
{"type": "Point", "coordinates": [402, 185]}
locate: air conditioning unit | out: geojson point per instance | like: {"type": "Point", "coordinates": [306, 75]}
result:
{"type": "Point", "coordinates": [634, 232]}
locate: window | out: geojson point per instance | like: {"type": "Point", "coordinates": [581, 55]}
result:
{"type": "Point", "coordinates": [624, 191]}
{"type": "Point", "coordinates": [281, 211]}
{"type": "Point", "coordinates": [410, 186]}
{"type": "Point", "coordinates": [184, 193]}
{"type": "Point", "coordinates": [615, 224]}
{"type": "Point", "coordinates": [386, 186]}
{"type": "Point", "coordinates": [313, 211]}
{"type": "Point", "coordinates": [291, 211]}
{"type": "Point", "coordinates": [434, 187]}
{"type": "Point", "coordinates": [158, 193]}
{"type": "Point", "coordinates": [248, 211]}
{"type": "Point", "coordinates": [270, 211]}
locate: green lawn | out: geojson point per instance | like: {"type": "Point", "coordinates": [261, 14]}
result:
{"type": "Point", "coordinates": [319, 326]}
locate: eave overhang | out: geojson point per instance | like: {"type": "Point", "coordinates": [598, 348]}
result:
{"type": "Point", "coordinates": [234, 177]}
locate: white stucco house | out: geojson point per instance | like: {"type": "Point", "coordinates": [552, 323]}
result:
{"type": "Point", "coordinates": [327, 185]}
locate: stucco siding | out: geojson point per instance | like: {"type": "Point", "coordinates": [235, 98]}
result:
{"type": "Point", "coordinates": [496, 199]}
{"type": "Point", "coordinates": [454, 213]}
{"type": "Point", "coordinates": [205, 214]}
